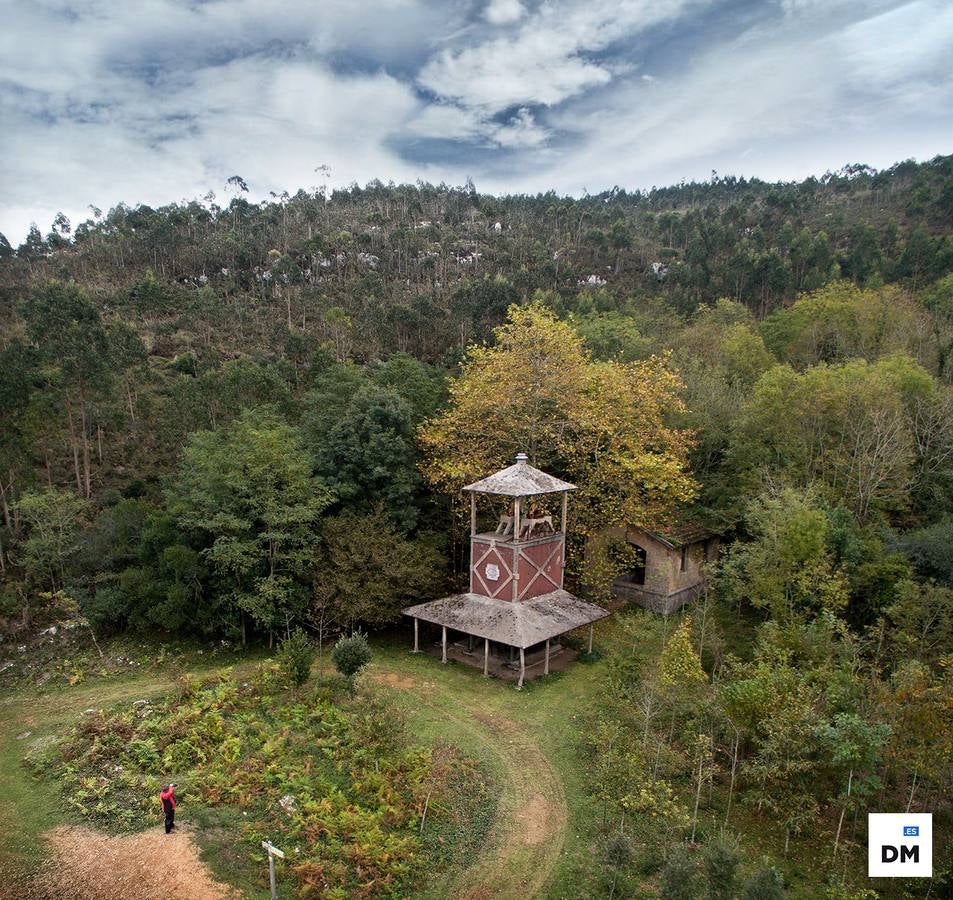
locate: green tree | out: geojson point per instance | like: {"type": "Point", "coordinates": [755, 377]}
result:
{"type": "Point", "coordinates": [365, 570]}
{"type": "Point", "coordinates": [766, 884]}
{"type": "Point", "coordinates": [367, 457]}
{"type": "Point", "coordinates": [248, 492]}
{"type": "Point", "coordinates": [74, 348]}
{"type": "Point", "coordinates": [722, 857]}
{"type": "Point", "coordinates": [786, 567]}
{"type": "Point", "coordinates": [54, 521]}
{"type": "Point", "coordinates": [854, 745]}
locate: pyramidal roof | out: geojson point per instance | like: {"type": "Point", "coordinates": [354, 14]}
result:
{"type": "Point", "coordinates": [520, 480]}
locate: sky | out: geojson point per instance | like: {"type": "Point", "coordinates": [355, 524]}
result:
{"type": "Point", "coordinates": [156, 101]}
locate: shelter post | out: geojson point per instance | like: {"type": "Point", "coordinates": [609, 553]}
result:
{"type": "Point", "coordinates": [546, 661]}
{"type": "Point", "coordinates": [416, 635]}
{"type": "Point", "coordinates": [444, 642]}
{"type": "Point", "coordinates": [562, 520]}
{"type": "Point", "coordinates": [590, 639]}
{"type": "Point", "coordinates": [519, 685]}
{"type": "Point", "coordinates": [472, 514]}
{"type": "Point", "coordinates": [486, 657]}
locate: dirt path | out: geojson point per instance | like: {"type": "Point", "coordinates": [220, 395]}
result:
{"type": "Point", "coordinates": [87, 865]}
{"type": "Point", "coordinates": [530, 827]}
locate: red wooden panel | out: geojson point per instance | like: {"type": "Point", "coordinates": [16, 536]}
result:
{"type": "Point", "coordinates": [487, 561]}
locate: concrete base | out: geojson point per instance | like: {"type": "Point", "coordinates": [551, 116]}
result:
{"type": "Point", "coordinates": [560, 659]}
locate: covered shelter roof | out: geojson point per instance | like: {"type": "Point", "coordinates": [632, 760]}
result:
{"type": "Point", "coordinates": [520, 624]}
{"type": "Point", "coordinates": [520, 480]}
{"type": "Point", "coordinates": [679, 535]}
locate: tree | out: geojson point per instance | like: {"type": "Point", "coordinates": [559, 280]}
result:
{"type": "Point", "coordinates": [365, 570]}
{"type": "Point", "coordinates": [54, 521]}
{"type": "Point", "coordinates": [786, 566]}
{"type": "Point", "coordinates": [367, 456]}
{"type": "Point", "coordinates": [247, 491]}
{"type": "Point", "coordinates": [602, 426]}
{"type": "Point", "coordinates": [74, 347]}
{"type": "Point", "coordinates": [854, 745]}
{"type": "Point", "coordinates": [847, 427]}
{"type": "Point", "coordinates": [350, 655]}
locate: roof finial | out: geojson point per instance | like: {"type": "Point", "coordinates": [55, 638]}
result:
{"type": "Point", "coordinates": [521, 457]}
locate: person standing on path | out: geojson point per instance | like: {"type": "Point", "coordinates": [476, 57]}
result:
{"type": "Point", "coordinates": [168, 806]}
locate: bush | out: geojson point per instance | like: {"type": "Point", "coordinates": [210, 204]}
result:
{"type": "Point", "coordinates": [295, 656]}
{"type": "Point", "coordinates": [351, 654]}
{"type": "Point", "coordinates": [679, 877]}
{"type": "Point", "coordinates": [722, 857]}
{"type": "Point", "coordinates": [765, 884]}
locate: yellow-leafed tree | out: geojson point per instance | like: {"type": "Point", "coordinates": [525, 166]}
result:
{"type": "Point", "coordinates": [604, 426]}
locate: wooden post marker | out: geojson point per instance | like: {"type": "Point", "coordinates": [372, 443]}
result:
{"type": "Point", "coordinates": [272, 853]}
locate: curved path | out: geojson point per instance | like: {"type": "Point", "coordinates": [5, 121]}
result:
{"type": "Point", "coordinates": [488, 719]}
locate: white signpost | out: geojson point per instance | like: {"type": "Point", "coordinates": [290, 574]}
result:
{"type": "Point", "coordinates": [272, 853]}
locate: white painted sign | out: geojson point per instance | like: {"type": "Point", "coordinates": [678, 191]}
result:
{"type": "Point", "coordinates": [492, 572]}
{"type": "Point", "coordinates": [273, 851]}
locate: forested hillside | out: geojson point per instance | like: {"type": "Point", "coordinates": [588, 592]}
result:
{"type": "Point", "coordinates": [223, 420]}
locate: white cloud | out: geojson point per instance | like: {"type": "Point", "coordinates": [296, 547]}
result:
{"type": "Point", "coordinates": [504, 12]}
{"type": "Point", "coordinates": [548, 59]}
{"type": "Point", "coordinates": [159, 100]}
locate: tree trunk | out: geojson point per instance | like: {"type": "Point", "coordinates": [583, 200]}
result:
{"type": "Point", "coordinates": [840, 822]}
{"type": "Point", "coordinates": [73, 446]}
{"type": "Point", "coordinates": [913, 787]}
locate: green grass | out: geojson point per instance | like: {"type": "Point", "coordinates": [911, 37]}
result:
{"type": "Point", "coordinates": [32, 806]}
{"type": "Point", "coordinates": [510, 734]}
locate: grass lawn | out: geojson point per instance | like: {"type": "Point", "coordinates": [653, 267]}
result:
{"type": "Point", "coordinates": [538, 835]}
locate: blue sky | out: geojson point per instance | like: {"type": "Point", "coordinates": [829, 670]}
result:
{"type": "Point", "coordinates": [159, 100]}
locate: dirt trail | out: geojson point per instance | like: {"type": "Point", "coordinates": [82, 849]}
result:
{"type": "Point", "coordinates": [88, 865]}
{"type": "Point", "coordinates": [530, 829]}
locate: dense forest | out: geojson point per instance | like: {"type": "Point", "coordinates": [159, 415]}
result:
{"type": "Point", "coordinates": [226, 420]}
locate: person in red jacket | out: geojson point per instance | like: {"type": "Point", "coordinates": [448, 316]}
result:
{"type": "Point", "coordinates": [168, 806]}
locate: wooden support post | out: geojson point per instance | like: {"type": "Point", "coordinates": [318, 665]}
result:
{"type": "Point", "coordinates": [519, 684]}
{"type": "Point", "coordinates": [562, 521]}
{"type": "Point", "coordinates": [546, 662]}
{"type": "Point", "coordinates": [472, 513]}
{"type": "Point", "coordinates": [416, 635]}
{"type": "Point", "coordinates": [516, 519]}
{"type": "Point", "coordinates": [469, 643]}
{"type": "Point", "coordinates": [444, 642]}
{"type": "Point", "coordinates": [486, 657]}
{"type": "Point", "coordinates": [590, 639]}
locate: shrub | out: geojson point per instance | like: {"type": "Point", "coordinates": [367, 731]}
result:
{"type": "Point", "coordinates": [679, 877]}
{"type": "Point", "coordinates": [351, 654]}
{"type": "Point", "coordinates": [765, 884]}
{"type": "Point", "coordinates": [722, 856]}
{"type": "Point", "coordinates": [295, 656]}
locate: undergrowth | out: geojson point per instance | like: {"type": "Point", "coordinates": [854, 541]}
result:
{"type": "Point", "coordinates": [334, 781]}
